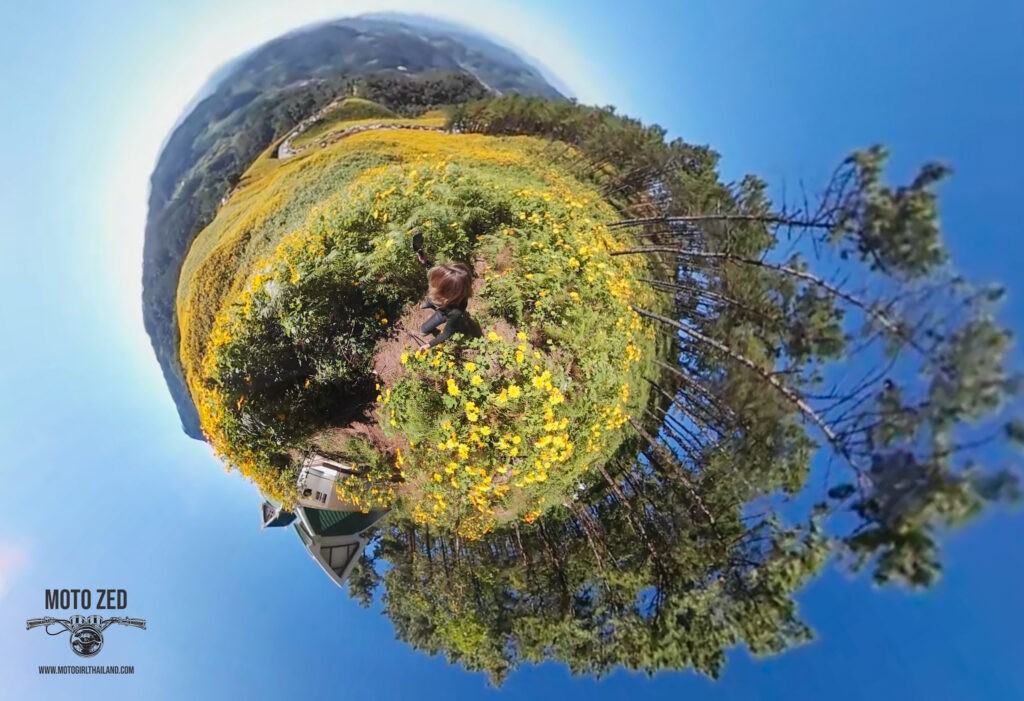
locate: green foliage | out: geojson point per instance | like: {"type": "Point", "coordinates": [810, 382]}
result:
{"type": "Point", "coordinates": [907, 507]}
{"type": "Point", "coordinates": [628, 580]}
{"type": "Point", "coordinates": [259, 99]}
{"type": "Point", "coordinates": [841, 328]}
{"type": "Point", "coordinates": [349, 109]}
{"type": "Point", "coordinates": [411, 95]}
{"type": "Point", "coordinates": [630, 160]}
{"type": "Point", "coordinates": [274, 200]}
{"type": "Point", "coordinates": [297, 339]}
{"type": "Point", "coordinates": [894, 229]}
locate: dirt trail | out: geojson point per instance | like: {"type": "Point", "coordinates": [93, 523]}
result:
{"type": "Point", "coordinates": [285, 150]}
{"type": "Point", "coordinates": [405, 337]}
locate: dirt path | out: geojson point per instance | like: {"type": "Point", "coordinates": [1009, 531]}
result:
{"type": "Point", "coordinates": [285, 150]}
{"type": "Point", "coordinates": [406, 336]}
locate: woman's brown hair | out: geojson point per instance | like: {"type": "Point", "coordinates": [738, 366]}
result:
{"type": "Point", "coordinates": [449, 285]}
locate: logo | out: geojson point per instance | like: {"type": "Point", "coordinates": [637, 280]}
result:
{"type": "Point", "coordinates": [86, 637]}
{"type": "Point", "coordinates": [86, 631]}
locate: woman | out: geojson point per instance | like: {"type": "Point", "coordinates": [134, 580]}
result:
{"type": "Point", "coordinates": [448, 290]}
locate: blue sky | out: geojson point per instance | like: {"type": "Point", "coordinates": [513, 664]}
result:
{"type": "Point", "coordinates": [103, 490]}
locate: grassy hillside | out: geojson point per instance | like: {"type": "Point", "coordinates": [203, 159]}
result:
{"type": "Point", "coordinates": [349, 110]}
{"type": "Point", "coordinates": [304, 281]}
{"type": "Point", "coordinates": [261, 97]}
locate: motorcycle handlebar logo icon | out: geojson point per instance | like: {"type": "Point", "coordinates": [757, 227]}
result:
{"type": "Point", "coordinates": [86, 631]}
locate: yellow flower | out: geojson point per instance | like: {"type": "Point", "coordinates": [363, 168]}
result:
{"type": "Point", "coordinates": [521, 336]}
{"type": "Point", "coordinates": [519, 356]}
{"type": "Point", "coordinates": [405, 358]}
{"type": "Point", "coordinates": [470, 366]}
{"type": "Point", "coordinates": [384, 321]}
{"type": "Point", "coordinates": [514, 391]}
{"type": "Point", "coordinates": [437, 477]}
{"type": "Point", "coordinates": [453, 389]}
{"type": "Point", "coordinates": [476, 380]}
{"type": "Point", "coordinates": [493, 337]}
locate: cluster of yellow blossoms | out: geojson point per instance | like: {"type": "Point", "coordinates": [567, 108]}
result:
{"type": "Point", "coordinates": [485, 430]}
{"type": "Point", "coordinates": [472, 460]}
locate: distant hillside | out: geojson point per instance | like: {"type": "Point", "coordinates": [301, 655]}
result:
{"type": "Point", "coordinates": [478, 54]}
{"type": "Point", "coordinates": [403, 63]}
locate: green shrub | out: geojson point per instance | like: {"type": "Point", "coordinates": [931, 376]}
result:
{"type": "Point", "coordinates": [521, 414]}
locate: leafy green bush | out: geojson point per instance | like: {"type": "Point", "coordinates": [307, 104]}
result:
{"type": "Point", "coordinates": [298, 342]}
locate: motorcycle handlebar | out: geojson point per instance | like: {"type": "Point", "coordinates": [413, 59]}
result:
{"type": "Point", "coordinates": [49, 620]}
{"type": "Point", "coordinates": [36, 622]}
{"type": "Point", "coordinates": [134, 622]}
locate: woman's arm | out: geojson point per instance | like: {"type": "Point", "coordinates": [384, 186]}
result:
{"type": "Point", "coordinates": [450, 327]}
{"type": "Point", "coordinates": [417, 247]}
